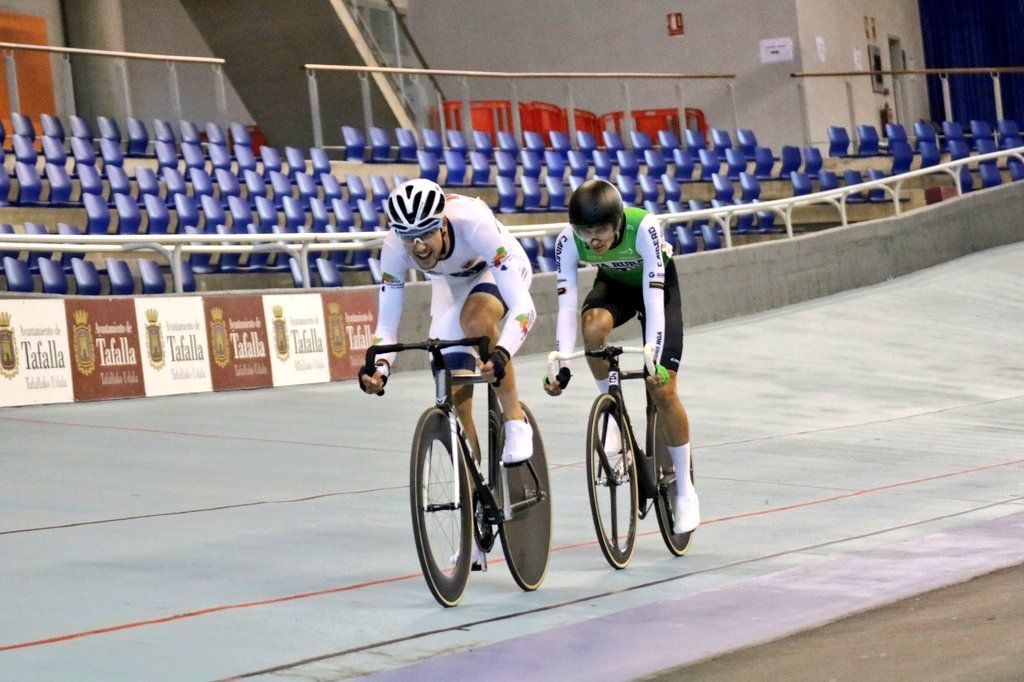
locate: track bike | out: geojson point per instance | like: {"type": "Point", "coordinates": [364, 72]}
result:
{"type": "Point", "coordinates": [454, 503]}
{"type": "Point", "coordinates": [625, 485]}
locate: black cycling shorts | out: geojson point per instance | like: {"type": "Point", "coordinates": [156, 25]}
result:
{"type": "Point", "coordinates": [624, 301]}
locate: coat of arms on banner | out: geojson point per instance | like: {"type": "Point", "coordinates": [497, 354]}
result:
{"type": "Point", "coordinates": [8, 348]}
{"type": "Point", "coordinates": [85, 357]}
{"type": "Point", "coordinates": [219, 338]}
{"type": "Point", "coordinates": [154, 340]}
{"type": "Point", "coordinates": [280, 334]}
{"type": "Point", "coordinates": [336, 331]}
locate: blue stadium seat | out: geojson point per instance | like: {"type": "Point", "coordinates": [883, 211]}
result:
{"type": "Point", "coordinates": [791, 161]}
{"type": "Point", "coordinates": [505, 164]}
{"type": "Point", "coordinates": [369, 217]}
{"type": "Point", "coordinates": [60, 185]}
{"type": "Point", "coordinates": [720, 141]}
{"type": "Point", "coordinates": [1009, 134]}
{"type": "Point", "coordinates": [282, 187]}
{"type": "Point", "coordinates": [5, 187]}
{"type": "Point", "coordinates": [30, 186]}
{"type": "Point", "coordinates": [683, 165]}
{"type": "Point", "coordinates": [556, 193]}
{"type": "Point", "coordinates": [640, 140]}
{"type": "Point", "coordinates": [118, 180]}
{"type": "Point", "coordinates": [924, 132]}
{"type": "Point", "coordinates": [22, 125]}
{"type": "Point", "coordinates": [764, 161]}
{"type": "Point", "coordinates": [655, 162]}
{"type": "Point", "coordinates": [868, 136]}
{"type": "Point", "coordinates": [80, 128]}
{"type": "Point", "coordinates": [531, 162]}
{"type": "Point", "coordinates": [122, 283]}
{"type": "Point", "coordinates": [612, 141]}
{"type": "Point", "coordinates": [188, 214]}
{"type": "Point", "coordinates": [24, 149]}
{"type": "Point", "coordinates": [546, 264]}
{"type": "Point", "coordinates": [851, 176]}
{"type": "Point", "coordinates": [506, 194]}
{"type": "Point", "coordinates": [254, 186]}
{"type": "Point", "coordinates": [33, 256]}
{"type": "Point", "coordinates": [586, 142]}
{"type": "Point", "coordinates": [157, 216]}
{"type": "Point", "coordinates": [989, 173]}
{"type": "Point", "coordinates": [555, 163]}
{"type": "Point", "coordinates": [6, 228]}
{"type": "Point", "coordinates": [109, 130]}
{"type": "Point", "coordinates": [455, 174]}
{"type": "Point", "coordinates": [380, 145]}
{"type": "Point", "coordinates": [902, 157]}
{"type": "Point", "coordinates": [1016, 168]}
{"type": "Point", "coordinates": [801, 183]}
{"type": "Point", "coordinates": [531, 194]}
{"type": "Point", "coordinates": [694, 143]}
{"type": "Point", "coordinates": [671, 188]}
{"type": "Point", "coordinates": [240, 135]}
{"type": "Point", "coordinates": [812, 162]}
{"type": "Point", "coordinates": [213, 213]}
{"type": "Point", "coordinates": [896, 133]}
{"type": "Point", "coordinates": [724, 190]}
{"type": "Point", "coordinates": [709, 163]}
{"type": "Point", "coordinates": [215, 135]}
{"type": "Point", "coordinates": [457, 142]}
{"type": "Point", "coordinates": [953, 132]}
{"type": "Point", "coordinates": [483, 143]}
{"type": "Point", "coordinates": [579, 165]}
{"type": "Point", "coordinates": [295, 160]}
{"type": "Point", "coordinates": [355, 143]}
{"type": "Point", "coordinates": [981, 130]}
{"type": "Point", "coordinates": [560, 143]}
{"type": "Point", "coordinates": [331, 187]}
{"type": "Point", "coordinates": [877, 195]}
{"type": "Point", "coordinates": [838, 141]}
{"type": "Point", "coordinates": [668, 141]}
{"type": "Point", "coordinates": [271, 160]}
{"type": "Point", "coordinates": [97, 214]}
{"type": "Point", "coordinates": [379, 190]}
{"type": "Point", "coordinates": [507, 142]}
{"type": "Point", "coordinates": [52, 127]}
{"type": "Point", "coordinates": [432, 141]}
{"type": "Point", "coordinates": [146, 182]}
{"type": "Point", "coordinates": [827, 180]}
{"type": "Point", "coordinates": [294, 215]}
{"type": "Point", "coordinates": [481, 169]}
{"type": "Point", "coordinates": [746, 140]}
{"type": "Point", "coordinates": [320, 162]}
{"type": "Point", "coordinates": [245, 160]}
{"type": "Point", "coordinates": [628, 190]}
{"type": "Point", "coordinates": [227, 184]}
{"type": "Point", "coordinates": [649, 188]}
{"type": "Point", "coordinates": [957, 149]}
{"type": "Point", "coordinates": [128, 217]}
{"type": "Point", "coordinates": [710, 237]}
{"type": "Point", "coordinates": [531, 248]}
{"type": "Point", "coordinates": [189, 133]}
{"type": "Point", "coordinates": [53, 151]}
{"type": "Point", "coordinates": [53, 278]}
{"type": "Point", "coordinates": [736, 162]}
{"type": "Point", "coordinates": [930, 154]}
{"type": "Point", "coordinates": [19, 279]}
{"type": "Point", "coordinates": [534, 141]}
{"type": "Point", "coordinates": [627, 162]}
{"type": "Point", "coordinates": [329, 274]}
{"type": "Point", "coordinates": [750, 188]}
{"type": "Point", "coordinates": [152, 277]}
{"type": "Point", "coordinates": [318, 216]}
{"type": "Point", "coordinates": [429, 167]}
{"type": "Point", "coordinates": [87, 279]}
{"type": "Point", "coordinates": [686, 242]}
{"type": "Point", "coordinates": [201, 183]}
{"type": "Point", "coordinates": [166, 154]}
{"type": "Point", "coordinates": [89, 180]}
{"type": "Point", "coordinates": [602, 164]}
{"type": "Point", "coordinates": [307, 188]}
{"type": "Point", "coordinates": [220, 157]}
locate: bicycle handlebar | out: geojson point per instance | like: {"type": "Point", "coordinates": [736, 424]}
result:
{"type": "Point", "coordinates": [433, 345]}
{"type": "Point", "coordinates": [647, 351]}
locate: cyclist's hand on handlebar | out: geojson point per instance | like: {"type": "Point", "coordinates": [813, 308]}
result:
{"type": "Point", "coordinates": [493, 370]}
{"type": "Point", "coordinates": [659, 378]}
{"type": "Point", "coordinates": [555, 386]}
{"type": "Point", "coordinates": [372, 383]}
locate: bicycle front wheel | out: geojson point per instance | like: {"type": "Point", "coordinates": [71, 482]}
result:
{"type": "Point", "coordinates": [442, 517]}
{"type": "Point", "coordinates": [677, 543]}
{"type": "Point", "coordinates": [611, 484]}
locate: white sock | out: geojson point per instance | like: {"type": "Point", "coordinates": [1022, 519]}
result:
{"type": "Point", "coordinates": [681, 460]}
{"type": "Point", "coordinates": [602, 385]}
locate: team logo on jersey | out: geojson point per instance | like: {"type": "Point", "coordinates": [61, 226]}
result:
{"type": "Point", "coordinates": [375, 340]}
{"type": "Point", "coordinates": [219, 338]}
{"type": "Point", "coordinates": [524, 321]}
{"type": "Point", "coordinates": [85, 358]}
{"type": "Point", "coordinates": [499, 256]}
{"type": "Point", "coordinates": [154, 340]}
{"type": "Point", "coordinates": [8, 348]}
{"type": "Point", "coordinates": [336, 331]}
{"type": "Point", "coordinates": [280, 334]}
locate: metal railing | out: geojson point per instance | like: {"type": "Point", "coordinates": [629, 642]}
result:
{"type": "Point", "coordinates": [512, 78]}
{"type": "Point", "coordinates": [175, 247]}
{"type": "Point", "coordinates": [122, 58]}
{"type": "Point", "coordinates": [900, 88]}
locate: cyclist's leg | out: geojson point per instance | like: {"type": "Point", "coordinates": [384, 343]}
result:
{"type": "Point", "coordinates": [444, 324]}
{"type": "Point", "coordinates": [480, 315]}
{"type": "Point", "coordinates": [607, 306]}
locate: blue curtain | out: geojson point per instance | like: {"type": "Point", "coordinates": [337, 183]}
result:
{"type": "Point", "coordinates": [960, 34]}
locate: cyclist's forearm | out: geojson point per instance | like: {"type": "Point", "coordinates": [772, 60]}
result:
{"type": "Point", "coordinates": [565, 335]}
{"type": "Point", "coordinates": [511, 280]}
{"type": "Point", "coordinates": [654, 313]}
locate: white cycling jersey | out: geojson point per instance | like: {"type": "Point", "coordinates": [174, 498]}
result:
{"type": "Point", "coordinates": [481, 251]}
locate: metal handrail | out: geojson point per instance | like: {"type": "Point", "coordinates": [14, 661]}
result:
{"type": "Point", "coordinates": [910, 72]}
{"type": "Point", "coordinates": [111, 53]}
{"type": "Point", "coordinates": [519, 74]}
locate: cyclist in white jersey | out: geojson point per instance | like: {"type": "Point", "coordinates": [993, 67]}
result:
{"type": "Point", "coordinates": [479, 275]}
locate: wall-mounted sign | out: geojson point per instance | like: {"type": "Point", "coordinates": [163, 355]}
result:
{"type": "Point", "coordinates": [675, 23]}
{"type": "Point", "coordinates": [776, 50]}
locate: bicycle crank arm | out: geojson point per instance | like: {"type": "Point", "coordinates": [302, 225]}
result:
{"type": "Point", "coordinates": [449, 506]}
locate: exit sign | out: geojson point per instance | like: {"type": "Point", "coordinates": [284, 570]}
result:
{"type": "Point", "coordinates": [675, 23]}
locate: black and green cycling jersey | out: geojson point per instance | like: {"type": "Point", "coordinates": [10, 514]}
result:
{"type": "Point", "coordinates": [624, 262]}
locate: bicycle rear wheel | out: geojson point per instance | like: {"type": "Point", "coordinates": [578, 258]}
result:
{"type": "Point", "coordinates": [526, 538]}
{"type": "Point", "coordinates": [442, 517]}
{"type": "Point", "coordinates": [677, 543]}
{"type": "Point", "coordinates": [611, 485]}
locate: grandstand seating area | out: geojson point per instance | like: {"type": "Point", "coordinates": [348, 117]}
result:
{"type": "Point", "coordinates": [161, 179]}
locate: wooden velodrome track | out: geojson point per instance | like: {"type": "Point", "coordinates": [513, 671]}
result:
{"type": "Point", "coordinates": [849, 451]}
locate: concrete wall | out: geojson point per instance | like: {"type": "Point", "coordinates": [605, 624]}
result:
{"type": "Point", "coordinates": [50, 11]}
{"type": "Point", "coordinates": [152, 26]}
{"type": "Point", "coordinates": [720, 285]}
{"type": "Point", "coordinates": [622, 35]}
{"type": "Point", "coordinates": [842, 27]}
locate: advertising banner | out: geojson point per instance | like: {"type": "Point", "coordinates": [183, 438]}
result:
{"type": "Point", "coordinates": [237, 335]}
{"type": "Point", "coordinates": [350, 318]}
{"type": "Point", "coordinates": [35, 363]}
{"type": "Point", "coordinates": [298, 351]}
{"type": "Point", "coordinates": [172, 336]}
{"type": "Point", "coordinates": [104, 343]}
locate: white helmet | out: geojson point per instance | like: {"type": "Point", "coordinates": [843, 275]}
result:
{"type": "Point", "coordinates": [415, 207]}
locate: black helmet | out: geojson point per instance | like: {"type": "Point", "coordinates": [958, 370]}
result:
{"type": "Point", "coordinates": [595, 202]}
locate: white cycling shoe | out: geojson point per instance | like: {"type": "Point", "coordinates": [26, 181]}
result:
{"type": "Point", "coordinates": [518, 442]}
{"type": "Point", "coordinates": [612, 438]}
{"type": "Point", "coordinates": [686, 511]}
{"type": "Point", "coordinates": [479, 561]}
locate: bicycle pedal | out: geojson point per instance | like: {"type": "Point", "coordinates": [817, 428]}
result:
{"type": "Point", "coordinates": [477, 566]}
{"type": "Point", "coordinates": [514, 465]}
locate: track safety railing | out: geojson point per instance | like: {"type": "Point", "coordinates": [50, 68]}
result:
{"type": "Point", "coordinates": [122, 58]}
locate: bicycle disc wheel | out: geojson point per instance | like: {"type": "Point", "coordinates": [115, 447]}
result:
{"type": "Point", "coordinates": [526, 538]}
{"type": "Point", "coordinates": [611, 484]}
{"type": "Point", "coordinates": [442, 518]}
{"type": "Point", "coordinates": [677, 543]}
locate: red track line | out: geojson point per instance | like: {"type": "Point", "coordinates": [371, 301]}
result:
{"type": "Point", "coordinates": [383, 581]}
